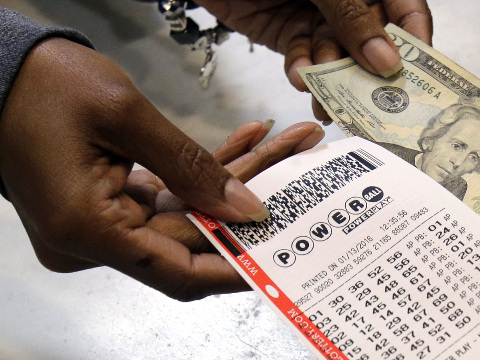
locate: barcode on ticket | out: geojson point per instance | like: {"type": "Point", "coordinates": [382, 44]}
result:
{"type": "Point", "coordinates": [302, 195]}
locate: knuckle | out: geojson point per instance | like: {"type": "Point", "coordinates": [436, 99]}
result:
{"type": "Point", "coordinates": [196, 164]}
{"type": "Point", "coordinates": [266, 153]}
{"type": "Point", "coordinates": [195, 157]}
{"type": "Point", "coordinates": [118, 102]}
{"type": "Point", "coordinates": [325, 46]}
{"type": "Point", "coordinates": [350, 11]}
{"type": "Point", "coordinates": [416, 17]}
{"type": "Point", "coordinates": [112, 219]}
{"type": "Point", "coordinates": [112, 102]}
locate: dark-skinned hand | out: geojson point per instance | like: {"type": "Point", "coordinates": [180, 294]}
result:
{"type": "Point", "coordinates": [312, 32]}
{"type": "Point", "coordinates": [72, 128]}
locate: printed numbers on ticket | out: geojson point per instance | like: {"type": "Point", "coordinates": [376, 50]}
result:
{"type": "Point", "coordinates": [363, 256]}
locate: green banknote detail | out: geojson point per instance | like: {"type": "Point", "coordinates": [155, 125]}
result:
{"type": "Point", "coordinates": [428, 113]}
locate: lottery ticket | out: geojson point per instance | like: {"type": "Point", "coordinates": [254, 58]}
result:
{"type": "Point", "coordinates": [363, 255]}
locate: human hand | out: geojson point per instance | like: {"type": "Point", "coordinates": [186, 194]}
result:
{"type": "Point", "coordinates": [319, 31]}
{"type": "Point", "coordinates": [192, 250]}
{"type": "Point", "coordinates": [71, 130]}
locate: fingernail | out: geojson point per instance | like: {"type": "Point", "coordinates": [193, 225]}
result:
{"type": "Point", "coordinates": [384, 59]}
{"type": "Point", "coordinates": [245, 201]}
{"type": "Point", "coordinates": [268, 124]}
{"type": "Point", "coordinates": [311, 140]}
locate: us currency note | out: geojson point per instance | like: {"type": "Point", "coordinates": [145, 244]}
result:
{"type": "Point", "coordinates": [428, 113]}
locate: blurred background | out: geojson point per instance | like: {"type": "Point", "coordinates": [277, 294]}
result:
{"type": "Point", "coordinates": [102, 314]}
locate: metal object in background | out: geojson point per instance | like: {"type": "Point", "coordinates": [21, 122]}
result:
{"type": "Point", "coordinates": [185, 31]}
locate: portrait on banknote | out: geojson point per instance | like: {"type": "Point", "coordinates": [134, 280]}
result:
{"type": "Point", "coordinates": [448, 147]}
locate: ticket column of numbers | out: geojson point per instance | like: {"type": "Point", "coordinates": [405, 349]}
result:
{"type": "Point", "coordinates": [416, 301]}
{"type": "Point", "coordinates": [449, 255]}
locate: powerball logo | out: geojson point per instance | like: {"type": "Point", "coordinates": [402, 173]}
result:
{"type": "Point", "coordinates": [356, 211]}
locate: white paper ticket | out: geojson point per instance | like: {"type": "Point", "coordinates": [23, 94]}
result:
{"type": "Point", "coordinates": [363, 256]}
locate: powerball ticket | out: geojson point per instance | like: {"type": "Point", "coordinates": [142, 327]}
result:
{"type": "Point", "coordinates": [363, 255]}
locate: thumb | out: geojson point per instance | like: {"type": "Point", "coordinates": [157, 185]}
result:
{"type": "Point", "coordinates": [189, 171]}
{"type": "Point", "coordinates": [361, 33]}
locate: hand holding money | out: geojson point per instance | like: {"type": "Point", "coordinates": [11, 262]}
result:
{"type": "Point", "coordinates": [318, 31]}
{"type": "Point", "coordinates": [427, 113]}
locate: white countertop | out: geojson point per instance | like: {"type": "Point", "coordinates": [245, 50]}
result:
{"type": "Point", "coordinates": [102, 314]}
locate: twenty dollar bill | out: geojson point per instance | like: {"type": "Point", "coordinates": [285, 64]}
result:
{"type": "Point", "coordinates": [428, 113]}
